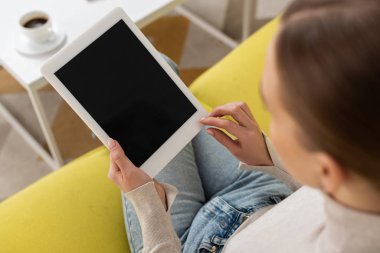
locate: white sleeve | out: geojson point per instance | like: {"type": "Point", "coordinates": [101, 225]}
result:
{"type": "Point", "coordinates": [157, 230]}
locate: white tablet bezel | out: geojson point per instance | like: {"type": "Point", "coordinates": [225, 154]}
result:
{"type": "Point", "coordinates": [176, 142]}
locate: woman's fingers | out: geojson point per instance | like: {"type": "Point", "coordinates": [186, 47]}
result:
{"type": "Point", "coordinates": [122, 171]}
{"type": "Point", "coordinates": [113, 171]}
{"type": "Point", "coordinates": [118, 156]}
{"type": "Point", "coordinates": [246, 109]}
{"type": "Point", "coordinates": [236, 110]}
{"type": "Point", "coordinates": [224, 139]}
{"type": "Point", "coordinates": [226, 124]}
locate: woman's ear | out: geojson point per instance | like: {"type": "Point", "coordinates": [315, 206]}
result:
{"type": "Point", "coordinates": [331, 174]}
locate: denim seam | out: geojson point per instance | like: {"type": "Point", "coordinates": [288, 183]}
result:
{"type": "Point", "coordinates": [236, 220]}
{"type": "Point", "coordinates": [226, 211]}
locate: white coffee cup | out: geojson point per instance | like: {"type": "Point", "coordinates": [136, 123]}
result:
{"type": "Point", "coordinates": [36, 26]}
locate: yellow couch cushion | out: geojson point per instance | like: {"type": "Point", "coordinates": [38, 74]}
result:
{"type": "Point", "coordinates": [77, 209]}
{"type": "Point", "coordinates": [237, 76]}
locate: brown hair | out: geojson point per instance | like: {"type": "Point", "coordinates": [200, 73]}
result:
{"type": "Point", "coordinates": [328, 56]}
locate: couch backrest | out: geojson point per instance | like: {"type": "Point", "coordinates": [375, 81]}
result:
{"type": "Point", "coordinates": [237, 76]}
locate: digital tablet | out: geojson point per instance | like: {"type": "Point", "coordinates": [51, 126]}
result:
{"type": "Point", "coordinates": [122, 88]}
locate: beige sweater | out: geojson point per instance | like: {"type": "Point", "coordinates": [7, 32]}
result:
{"type": "Point", "coordinates": [307, 221]}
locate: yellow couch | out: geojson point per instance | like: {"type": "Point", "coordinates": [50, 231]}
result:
{"type": "Point", "coordinates": [77, 209]}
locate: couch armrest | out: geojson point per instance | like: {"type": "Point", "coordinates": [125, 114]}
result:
{"type": "Point", "coordinates": [75, 209]}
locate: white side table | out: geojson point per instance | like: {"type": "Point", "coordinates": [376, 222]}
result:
{"type": "Point", "coordinates": [73, 17]}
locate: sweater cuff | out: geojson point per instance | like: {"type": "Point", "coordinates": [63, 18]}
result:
{"type": "Point", "coordinates": [144, 196]}
{"type": "Point", "coordinates": [170, 192]}
{"type": "Point", "coordinates": [277, 170]}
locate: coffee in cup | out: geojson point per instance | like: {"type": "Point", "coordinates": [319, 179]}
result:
{"type": "Point", "coordinates": [36, 26]}
{"type": "Point", "coordinates": [35, 22]}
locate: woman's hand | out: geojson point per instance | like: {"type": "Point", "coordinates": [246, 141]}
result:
{"type": "Point", "coordinates": [126, 175]}
{"type": "Point", "coordinates": [249, 147]}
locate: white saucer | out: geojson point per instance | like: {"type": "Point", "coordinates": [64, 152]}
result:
{"type": "Point", "coordinates": [27, 47]}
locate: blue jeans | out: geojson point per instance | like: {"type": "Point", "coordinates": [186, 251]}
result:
{"type": "Point", "coordinates": [214, 196]}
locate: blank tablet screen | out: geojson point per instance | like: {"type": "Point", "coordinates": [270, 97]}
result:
{"type": "Point", "coordinates": [127, 92]}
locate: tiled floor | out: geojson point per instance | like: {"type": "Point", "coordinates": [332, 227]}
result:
{"type": "Point", "coordinates": [189, 46]}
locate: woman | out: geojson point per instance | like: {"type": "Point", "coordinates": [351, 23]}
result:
{"type": "Point", "coordinates": [321, 85]}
